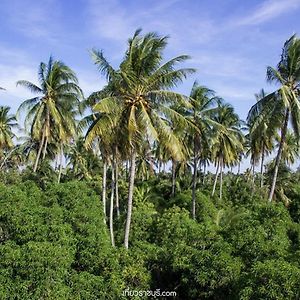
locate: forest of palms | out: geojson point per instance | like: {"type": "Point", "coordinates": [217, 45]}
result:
{"type": "Point", "coordinates": [132, 187]}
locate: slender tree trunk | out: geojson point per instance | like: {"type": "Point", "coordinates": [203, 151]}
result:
{"type": "Point", "coordinates": [221, 177]}
{"type": "Point", "coordinates": [278, 157]}
{"type": "Point", "coordinates": [130, 196]}
{"type": "Point", "coordinates": [262, 165]}
{"type": "Point", "coordinates": [126, 169]}
{"type": "Point", "coordinates": [104, 189]}
{"type": "Point", "coordinates": [173, 178]}
{"type": "Point", "coordinates": [194, 183]}
{"type": "Point", "coordinates": [45, 147]}
{"type": "Point", "coordinates": [239, 168]}
{"type": "Point", "coordinates": [204, 172]}
{"type": "Point", "coordinates": [60, 163]}
{"type": "Point", "coordinates": [253, 173]}
{"type": "Point", "coordinates": [39, 152]}
{"type": "Point", "coordinates": [111, 210]}
{"type": "Point", "coordinates": [216, 178]}
{"type": "Point", "coordinates": [250, 171]}
{"type": "Point", "coordinates": [56, 163]}
{"type": "Point", "coordinates": [117, 188]}
{"type": "Point", "coordinates": [47, 126]}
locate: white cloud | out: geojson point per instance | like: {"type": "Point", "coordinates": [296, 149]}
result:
{"type": "Point", "coordinates": [34, 19]}
{"type": "Point", "coordinates": [90, 81]}
{"type": "Point", "coordinates": [109, 20]}
{"type": "Point", "coordinates": [268, 10]}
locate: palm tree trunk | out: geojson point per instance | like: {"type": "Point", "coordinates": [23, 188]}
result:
{"type": "Point", "coordinates": [117, 188]}
{"type": "Point", "coordinates": [45, 147]}
{"type": "Point", "coordinates": [130, 196]}
{"type": "Point", "coordinates": [239, 168]}
{"type": "Point", "coordinates": [204, 173]}
{"type": "Point", "coordinates": [173, 178]}
{"type": "Point", "coordinates": [47, 126]}
{"type": "Point", "coordinates": [278, 157]}
{"type": "Point", "coordinates": [126, 169]}
{"type": "Point", "coordinates": [60, 163]}
{"type": "Point", "coordinates": [111, 210]}
{"type": "Point", "coordinates": [39, 152]}
{"type": "Point", "coordinates": [262, 165]}
{"type": "Point", "coordinates": [216, 178]}
{"type": "Point", "coordinates": [221, 177]}
{"type": "Point", "coordinates": [104, 189]}
{"type": "Point", "coordinates": [194, 184]}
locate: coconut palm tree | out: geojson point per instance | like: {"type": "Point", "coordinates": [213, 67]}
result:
{"type": "Point", "coordinates": [7, 123]}
{"type": "Point", "coordinates": [261, 135]}
{"type": "Point", "coordinates": [227, 140]}
{"type": "Point", "coordinates": [290, 149]}
{"type": "Point", "coordinates": [50, 114]}
{"type": "Point", "coordinates": [284, 102]}
{"type": "Point", "coordinates": [141, 99]}
{"type": "Point", "coordinates": [202, 101]}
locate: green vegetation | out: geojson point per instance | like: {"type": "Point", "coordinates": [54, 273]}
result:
{"type": "Point", "coordinates": [111, 192]}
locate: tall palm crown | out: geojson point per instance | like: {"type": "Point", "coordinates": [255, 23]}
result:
{"type": "Point", "coordinates": [50, 115]}
{"type": "Point", "coordinates": [227, 142]}
{"type": "Point", "coordinates": [290, 151]}
{"type": "Point", "coordinates": [283, 104]}
{"type": "Point", "coordinates": [141, 94]}
{"type": "Point", "coordinates": [262, 132]}
{"type": "Point", "coordinates": [7, 122]}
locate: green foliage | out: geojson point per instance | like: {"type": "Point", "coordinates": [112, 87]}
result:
{"type": "Point", "coordinates": [54, 244]}
{"type": "Point", "coordinates": [271, 279]}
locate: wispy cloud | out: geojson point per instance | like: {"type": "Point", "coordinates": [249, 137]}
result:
{"type": "Point", "coordinates": [33, 19]}
{"type": "Point", "coordinates": [269, 10]}
{"type": "Point", "coordinates": [109, 19]}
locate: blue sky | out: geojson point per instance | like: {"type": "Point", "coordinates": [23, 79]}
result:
{"type": "Point", "coordinates": [231, 42]}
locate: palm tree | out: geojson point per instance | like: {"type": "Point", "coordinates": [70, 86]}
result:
{"type": "Point", "coordinates": [141, 100]}
{"type": "Point", "coordinates": [261, 135]}
{"type": "Point", "coordinates": [202, 100]}
{"type": "Point", "coordinates": [7, 123]}
{"type": "Point", "coordinates": [50, 114]}
{"type": "Point", "coordinates": [227, 140]}
{"type": "Point", "coordinates": [284, 102]}
{"type": "Point", "coordinates": [290, 149]}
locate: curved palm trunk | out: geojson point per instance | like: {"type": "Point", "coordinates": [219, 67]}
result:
{"type": "Point", "coordinates": [39, 152]}
{"type": "Point", "coordinates": [278, 157]}
{"type": "Point", "coordinates": [111, 210]}
{"type": "Point", "coordinates": [173, 178]}
{"type": "Point", "coordinates": [262, 165]}
{"type": "Point", "coordinates": [216, 178]}
{"type": "Point", "coordinates": [60, 163]}
{"type": "Point", "coordinates": [221, 178]}
{"type": "Point", "coordinates": [130, 196]}
{"type": "Point", "coordinates": [104, 189]}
